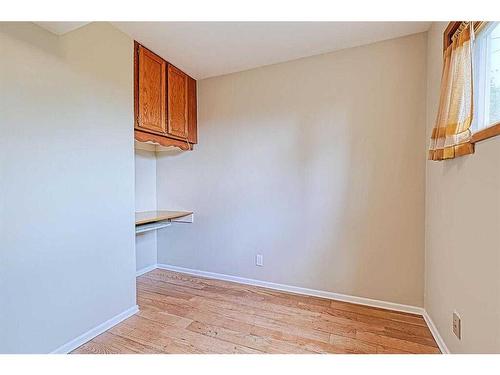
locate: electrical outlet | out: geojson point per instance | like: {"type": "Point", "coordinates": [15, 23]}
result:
{"type": "Point", "coordinates": [259, 260]}
{"type": "Point", "coordinates": [457, 325]}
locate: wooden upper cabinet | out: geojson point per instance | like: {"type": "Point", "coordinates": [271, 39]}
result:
{"type": "Point", "coordinates": [177, 102]}
{"type": "Point", "coordinates": [150, 95]}
{"type": "Point", "coordinates": [165, 102]}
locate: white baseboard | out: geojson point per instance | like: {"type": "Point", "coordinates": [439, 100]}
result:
{"type": "Point", "coordinates": [144, 270]}
{"type": "Point", "coordinates": [298, 290]}
{"type": "Point", "coordinates": [437, 337]}
{"type": "Point", "coordinates": [89, 335]}
{"type": "Point", "coordinates": [82, 339]}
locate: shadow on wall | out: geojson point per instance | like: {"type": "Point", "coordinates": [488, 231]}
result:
{"type": "Point", "coordinates": [23, 32]}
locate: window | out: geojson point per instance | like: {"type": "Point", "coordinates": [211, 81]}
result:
{"type": "Point", "coordinates": [469, 104]}
{"type": "Point", "coordinates": [486, 77]}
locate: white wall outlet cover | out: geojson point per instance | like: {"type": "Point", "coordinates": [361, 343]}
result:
{"type": "Point", "coordinates": [259, 260]}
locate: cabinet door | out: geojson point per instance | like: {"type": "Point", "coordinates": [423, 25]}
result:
{"type": "Point", "coordinates": [192, 112]}
{"type": "Point", "coordinates": [150, 91]}
{"type": "Point", "coordinates": [177, 103]}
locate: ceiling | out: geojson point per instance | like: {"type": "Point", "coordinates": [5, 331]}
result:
{"type": "Point", "coordinates": [60, 28]}
{"type": "Point", "coordinates": [207, 49]}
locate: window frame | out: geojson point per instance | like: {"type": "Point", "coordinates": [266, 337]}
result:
{"type": "Point", "coordinates": [493, 129]}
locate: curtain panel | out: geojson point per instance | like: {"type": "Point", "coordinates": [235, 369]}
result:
{"type": "Point", "coordinates": [451, 136]}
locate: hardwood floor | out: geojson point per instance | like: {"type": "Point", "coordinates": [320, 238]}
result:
{"type": "Point", "coordinates": [180, 313]}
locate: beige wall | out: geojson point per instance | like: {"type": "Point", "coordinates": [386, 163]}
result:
{"type": "Point", "coordinates": [145, 200]}
{"type": "Point", "coordinates": [462, 233]}
{"type": "Point", "coordinates": [67, 261]}
{"type": "Point", "coordinates": [318, 164]}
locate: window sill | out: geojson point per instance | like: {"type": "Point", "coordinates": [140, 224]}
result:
{"type": "Point", "coordinates": [486, 133]}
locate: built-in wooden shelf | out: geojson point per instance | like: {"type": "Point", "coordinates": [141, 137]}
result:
{"type": "Point", "coordinates": [152, 220]}
{"type": "Point", "coordinates": [147, 217]}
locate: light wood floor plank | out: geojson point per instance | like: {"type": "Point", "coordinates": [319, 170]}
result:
{"type": "Point", "coordinates": [181, 313]}
{"type": "Point", "coordinates": [327, 322]}
{"type": "Point", "coordinates": [339, 309]}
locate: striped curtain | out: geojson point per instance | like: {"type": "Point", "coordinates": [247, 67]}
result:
{"type": "Point", "coordinates": [451, 136]}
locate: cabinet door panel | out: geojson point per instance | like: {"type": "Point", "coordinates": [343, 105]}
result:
{"type": "Point", "coordinates": [192, 112]}
{"type": "Point", "coordinates": [177, 85]}
{"type": "Point", "coordinates": [151, 95]}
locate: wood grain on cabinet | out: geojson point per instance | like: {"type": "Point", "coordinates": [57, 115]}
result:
{"type": "Point", "coordinates": [177, 102]}
{"type": "Point", "coordinates": [192, 112]}
{"type": "Point", "coordinates": [150, 97]}
{"type": "Point", "coordinates": [164, 102]}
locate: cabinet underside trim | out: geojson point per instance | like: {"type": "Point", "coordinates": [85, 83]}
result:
{"type": "Point", "coordinates": [141, 136]}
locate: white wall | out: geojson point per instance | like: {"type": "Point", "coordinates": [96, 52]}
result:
{"type": "Point", "coordinates": [462, 232]}
{"type": "Point", "coordinates": [145, 200]}
{"type": "Point", "coordinates": [318, 164]}
{"type": "Point", "coordinates": [67, 258]}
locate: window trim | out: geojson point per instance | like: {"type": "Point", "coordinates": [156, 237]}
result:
{"type": "Point", "coordinates": [489, 132]}
{"type": "Point", "coordinates": [492, 130]}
